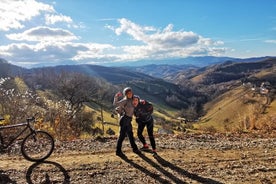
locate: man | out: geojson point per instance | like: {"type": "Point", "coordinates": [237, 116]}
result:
{"type": "Point", "coordinates": [127, 110]}
{"type": "Point", "coordinates": [143, 113]}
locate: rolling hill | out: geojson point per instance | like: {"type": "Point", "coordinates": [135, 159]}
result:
{"type": "Point", "coordinates": [7, 69]}
{"type": "Point", "coordinates": [239, 109]}
{"type": "Point", "coordinates": [114, 75]}
{"type": "Point", "coordinates": [214, 92]}
{"type": "Point", "coordinates": [200, 61]}
{"type": "Point", "coordinates": [249, 105]}
{"type": "Point", "coordinates": [223, 72]}
{"type": "Point", "coordinates": [161, 70]}
{"type": "Point", "coordinates": [151, 88]}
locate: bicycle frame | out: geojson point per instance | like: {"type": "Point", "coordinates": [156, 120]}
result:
{"type": "Point", "coordinates": [28, 127]}
{"type": "Point", "coordinates": [36, 145]}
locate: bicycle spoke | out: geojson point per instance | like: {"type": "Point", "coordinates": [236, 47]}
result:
{"type": "Point", "coordinates": [38, 146]}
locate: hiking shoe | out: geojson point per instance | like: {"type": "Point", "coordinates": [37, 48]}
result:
{"type": "Point", "coordinates": [137, 151]}
{"type": "Point", "coordinates": [120, 154]}
{"type": "Point", "coordinates": [145, 148]}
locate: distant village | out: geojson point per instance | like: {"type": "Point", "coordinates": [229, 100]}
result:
{"type": "Point", "coordinates": [263, 89]}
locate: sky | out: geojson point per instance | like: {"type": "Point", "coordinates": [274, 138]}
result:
{"type": "Point", "coordinates": [45, 32]}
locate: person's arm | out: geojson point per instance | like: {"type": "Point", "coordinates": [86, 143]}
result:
{"type": "Point", "coordinates": [146, 110]}
{"type": "Point", "coordinates": [149, 107]}
{"type": "Point", "coordinates": [116, 101]}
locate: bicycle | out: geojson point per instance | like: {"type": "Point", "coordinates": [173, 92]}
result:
{"type": "Point", "coordinates": [36, 146]}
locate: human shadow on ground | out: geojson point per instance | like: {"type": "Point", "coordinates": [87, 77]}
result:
{"type": "Point", "coordinates": [162, 170]}
{"type": "Point", "coordinates": [146, 171]}
{"type": "Point", "coordinates": [4, 178]}
{"type": "Point", "coordinates": [47, 172]}
{"type": "Point", "coordinates": [179, 170]}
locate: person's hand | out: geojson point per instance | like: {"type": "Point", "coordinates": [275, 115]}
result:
{"type": "Point", "coordinates": [118, 94]}
{"type": "Point", "coordinates": [143, 102]}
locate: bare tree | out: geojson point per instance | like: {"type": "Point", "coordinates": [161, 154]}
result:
{"type": "Point", "coordinates": [16, 103]}
{"type": "Point", "coordinates": [77, 89]}
{"type": "Point", "coordinates": [73, 91]}
{"type": "Point", "coordinates": [106, 92]}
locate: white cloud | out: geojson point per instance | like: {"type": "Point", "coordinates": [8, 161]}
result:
{"type": "Point", "coordinates": [130, 28]}
{"type": "Point", "coordinates": [95, 51]}
{"type": "Point", "coordinates": [57, 45]}
{"type": "Point", "coordinates": [166, 43]}
{"type": "Point", "coordinates": [53, 52]}
{"type": "Point", "coordinates": [164, 38]}
{"type": "Point", "coordinates": [43, 34]}
{"type": "Point", "coordinates": [45, 45]}
{"type": "Point", "coordinates": [270, 41]}
{"type": "Point", "coordinates": [53, 19]}
{"type": "Point", "coordinates": [13, 13]}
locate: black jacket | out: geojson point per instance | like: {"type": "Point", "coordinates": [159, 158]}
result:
{"type": "Point", "coordinates": [143, 111]}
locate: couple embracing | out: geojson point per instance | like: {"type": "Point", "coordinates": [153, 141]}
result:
{"type": "Point", "coordinates": [132, 105]}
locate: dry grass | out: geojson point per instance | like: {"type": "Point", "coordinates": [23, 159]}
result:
{"type": "Point", "coordinates": [238, 110]}
{"type": "Point", "coordinates": [21, 85]}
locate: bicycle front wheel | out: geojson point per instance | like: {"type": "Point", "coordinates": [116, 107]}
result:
{"type": "Point", "coordinates": [37, 146]}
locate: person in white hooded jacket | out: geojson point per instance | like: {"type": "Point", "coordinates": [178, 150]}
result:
{"type": "Point", "coordinates": [127, 109]}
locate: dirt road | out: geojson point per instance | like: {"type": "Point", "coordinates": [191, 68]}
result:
{"type": "Point", "coordinates": [181, 159]}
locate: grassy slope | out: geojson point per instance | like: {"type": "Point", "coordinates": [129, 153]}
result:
{"type": "Point", "coordinates": [111, 122]}
{"type": "Point", "coordinates": [225, 113]}
{"type": "Point", "coordinates": [223, 109]}
{"type": "Point", "coordinates": [229, 111]}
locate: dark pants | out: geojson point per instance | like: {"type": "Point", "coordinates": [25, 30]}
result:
{"type": "Point", "coordinates": [126, 129]}
{"type": "Point", "coordinates": [141, 126]}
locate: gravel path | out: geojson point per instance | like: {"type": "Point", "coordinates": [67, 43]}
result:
{"type": "Point", "coordinates": [189, 158]}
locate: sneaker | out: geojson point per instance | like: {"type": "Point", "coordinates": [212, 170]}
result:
{"type": "Point", "coordinates": [154, 152]}
{"type": "Point", "coordinates": [120, 154]}
{"type": "Point", "coordinates": [145, 148]}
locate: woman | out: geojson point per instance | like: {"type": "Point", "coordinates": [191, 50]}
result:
{"type": "Point", "coordinates": [125, 120]}
{"type": "Point", "coordinates": [143, 113]}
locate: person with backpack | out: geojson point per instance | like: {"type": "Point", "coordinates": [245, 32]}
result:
{"type": "Point", "coordinates": [143, 113]}
{"type": "Point", "coordinates": [127, 109]}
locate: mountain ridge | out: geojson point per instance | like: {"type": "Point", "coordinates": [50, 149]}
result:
{"type": "Point", "coordinates": [180, 91]}
{"type": "Point", "coordinates": [199, 61]}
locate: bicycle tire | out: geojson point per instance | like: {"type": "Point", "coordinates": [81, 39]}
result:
{"type": "Point", "coordinates": [37, 146]}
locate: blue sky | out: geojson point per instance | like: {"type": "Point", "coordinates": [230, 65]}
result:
{"type": "Point", "coordinates": [45, 32]}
